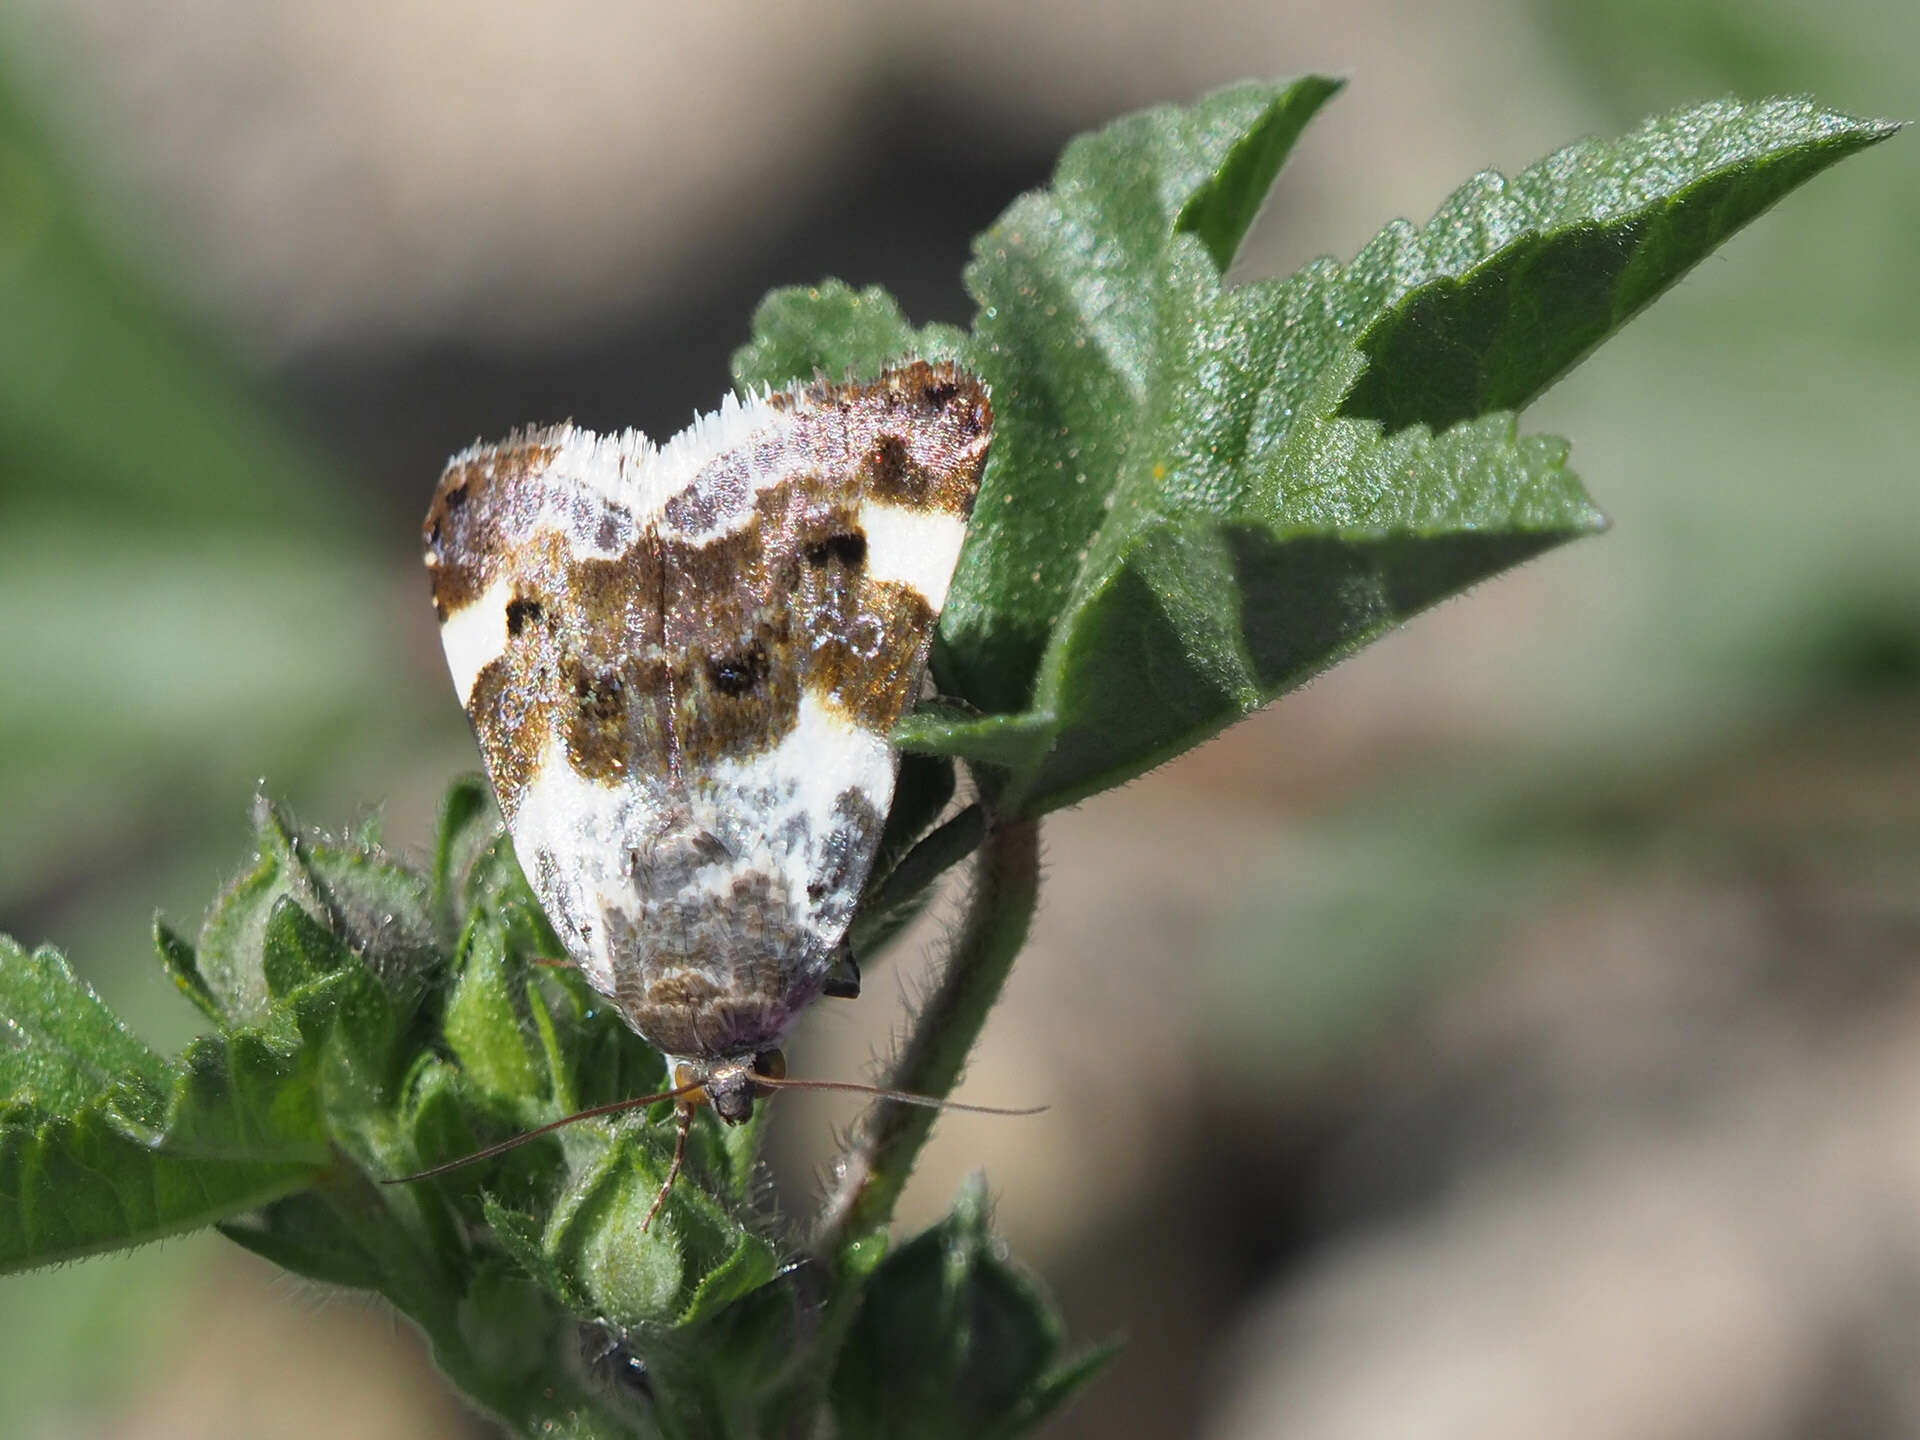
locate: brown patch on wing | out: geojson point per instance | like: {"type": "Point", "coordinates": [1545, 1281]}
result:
{"type": "Point", "coordinates": [678, 654]}
{"type": "Point", "coordinates": [918, 434]}
{"type": "Point", "coordinates": [682, 989]}
{"type": "Point", "coordinates": [596, 719]}
{"type": "Point", "coordinates": [731, 986]}
{"type": "Point", "coordinates": [512, 730]}
{"type": "Point", "coordinates": [471, 519]}
{"type": "Point", "coordinates": [871, 668]}
{"type": "Point", "coordinates": [916, 437]}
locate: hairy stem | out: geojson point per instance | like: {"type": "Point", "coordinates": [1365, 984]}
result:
{"type": "Point", "coordinates": [888, 1138]}
{"type": "Point", "coordinates": [547, 1401]}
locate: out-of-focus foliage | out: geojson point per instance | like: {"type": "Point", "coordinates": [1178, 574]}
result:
{"type": "Point", "coordinates": [1274, 493]}
{"type": "Point", "coordinates": [148, 682]}
{"type": "Point", "coordinates": [188, 606]}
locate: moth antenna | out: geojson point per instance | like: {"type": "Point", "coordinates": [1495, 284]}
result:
{"type": "Point", "coordinates": [613, 1107]}
{"type": "Point", "coordinates": [905, 1097]}
{"type": "Point", "coordinates": [547, 964]}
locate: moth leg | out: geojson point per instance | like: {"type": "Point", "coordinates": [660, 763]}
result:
{"type": "Point", "coordinates": [683, 1115]}
{"type": "Point", "coordinates": [557, 964]}
{"type": "Point", "coordinates": [843, 980]}
{"type": "Point", "coordinates": [933, 697]}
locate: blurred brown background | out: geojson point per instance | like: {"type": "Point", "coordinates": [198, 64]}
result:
{"type": "Point", "coordinates": [1515, 1035]}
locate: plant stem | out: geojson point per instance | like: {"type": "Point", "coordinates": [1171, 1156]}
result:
{"type": "Point", "coordinates": [549, 1402]}
{"type": "Point", "coordinates": [888, 1138]}
{"type": "Point", "coordinates": [902, 894]}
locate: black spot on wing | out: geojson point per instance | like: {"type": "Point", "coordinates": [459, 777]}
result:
{"type": "Point", "coordinates": [848, 548]}
{"type": "Point", "coordinates": [741, 672]}
{"type": "Point", "coordinates": [522, 612]}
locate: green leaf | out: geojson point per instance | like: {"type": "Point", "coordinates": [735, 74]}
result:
{"type": "Point", "coordinates": [1093, 328]}
{"type": "Point", "coordinates": [833, 330]}
{"type": "Point", "coordinates": [1009, 742]}
{"type": "Point", "coordinates": [559, 1079]}
{"type": "Point", "coordinates": [231, 940]}
{"type": "Point", "coordinates": [177, 958]}
{"type": "Point", "coordinates": [519, 1234]}
{"type": "Point", "coordinates": [605, 1060]}
{"type": "Point", "coordinates": [1203, 623]}
{"type": "Point", "coordinates": [1200, 496]}
{"type": "Point", "coordinates": [482, 1024]}
{"type": "Point", "coordinates": [506, 1320]}
{"type": "Point", "coordinates": [104, 1145]}
{"type": "Point", "coordinates": [695, 1257]}
{"type": "Point", "coordinates": [1182, 518]}
{"type": "Point", "coordinates": [79, 1185]}
{"type": "Point", "coordinates": [344, 1015]}
{"type": "Point", "coordinates": [304, 1234]}
{"type": "Point", "coordinates": [1529, 274]}
{"type": "Point", "coordinates": [921, 794]}
{"type": "Point", "coordinates": [1222, 206]}
{"type": "Point", "coordinates": [495, 882]}
{"type": "Point", "coordinates": [380, 909]}
{"type": "Point", "coordinates": [469, 825]}
{"type": "Point", "coordinates": [245, 1096]}
{"type": "Point", "coordinates": [60, 1047]}
{"type": "Point", "coordinates": [296, 952]}
{"type": "Point", "coordinates": [733, 1365]}
{"type": "Point", "coordinates": [438, 1105]}
{"type": "Point", "coordinates": [953, 1339]}
{"type": "Point", "coordinates": [736, 1268]}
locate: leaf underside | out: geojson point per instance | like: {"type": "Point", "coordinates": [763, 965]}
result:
{"type": "Point", "coordinates": [1200, 496]}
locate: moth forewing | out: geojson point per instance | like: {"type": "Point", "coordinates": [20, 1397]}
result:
{"type": "Point", "coordinates": [682, 663]}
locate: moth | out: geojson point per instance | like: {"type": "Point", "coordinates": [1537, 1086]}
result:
{"type": "Point", "coordinates": [682, 663]}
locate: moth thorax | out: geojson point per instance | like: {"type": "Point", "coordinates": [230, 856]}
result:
{"type": "Point", "coordinates": [730, 1085]}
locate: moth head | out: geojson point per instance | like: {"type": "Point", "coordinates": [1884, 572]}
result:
{"type": "Point", "coordinates": [731, 1086]}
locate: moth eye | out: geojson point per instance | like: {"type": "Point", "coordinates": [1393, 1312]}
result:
{"type": "Point", "coordinates": [849, 548]}
{"type": "Point", "coordinates": [770, 1063]}
{"type": "Point", "coordinates": [741, 672]}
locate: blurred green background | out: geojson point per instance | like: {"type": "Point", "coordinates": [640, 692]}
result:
{"type": "Point", "coordinates": [1516, 1033]}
